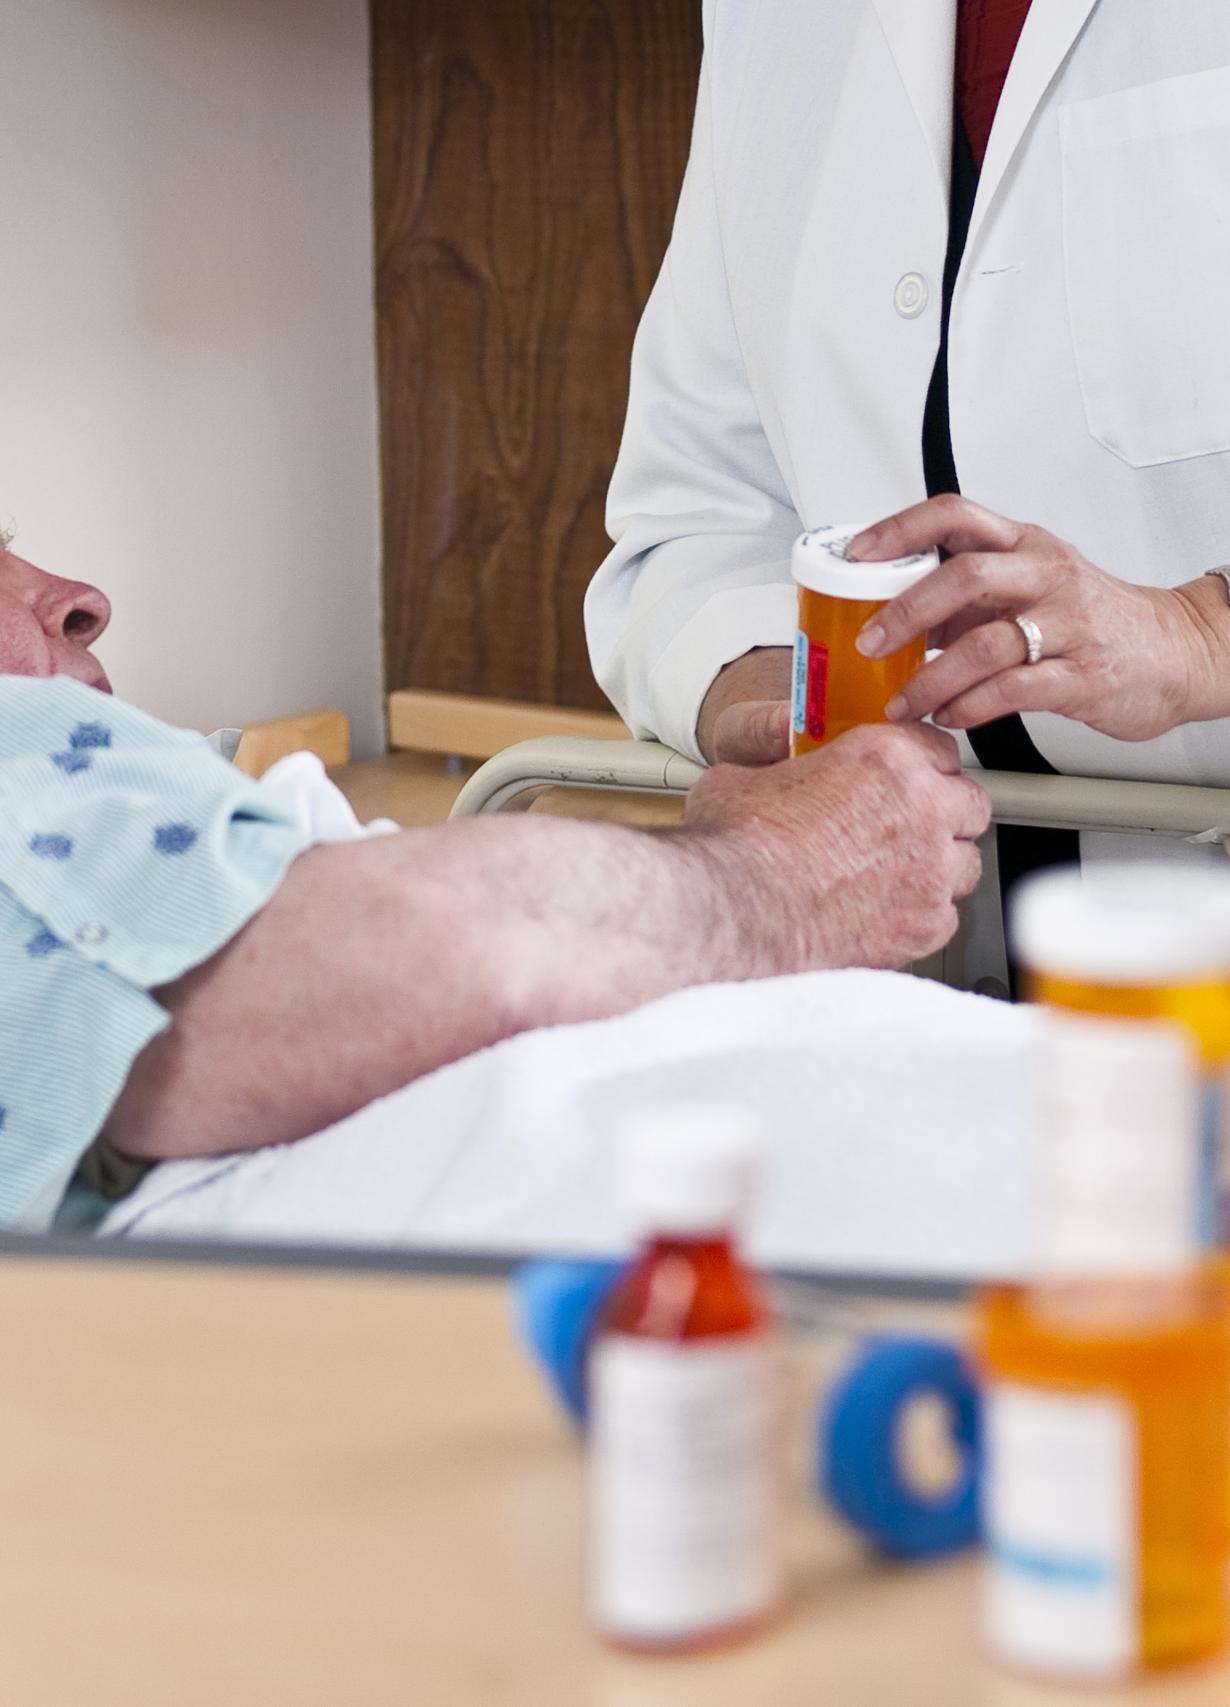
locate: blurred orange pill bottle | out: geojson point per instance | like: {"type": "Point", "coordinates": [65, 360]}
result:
{"type": "Point", "coordinates": [1143, 940]}
{"type": "Point", "coordinates": [835, 687]}
{"type": "Point", "coordinates": [1106, 1480]}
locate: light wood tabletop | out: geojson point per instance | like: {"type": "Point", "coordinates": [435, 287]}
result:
{"type": "Point", "coordinates": [224, 1486]}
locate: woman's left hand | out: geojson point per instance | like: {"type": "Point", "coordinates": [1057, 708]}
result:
{"type": "Point", "coordinates": [1129, 661]}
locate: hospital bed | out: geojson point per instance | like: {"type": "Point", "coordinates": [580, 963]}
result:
{"type": "Point", "coordinates": [502, 1150]}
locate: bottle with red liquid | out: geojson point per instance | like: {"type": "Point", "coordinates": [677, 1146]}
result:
{"type": "Point", "coordinates": [684, 1392]}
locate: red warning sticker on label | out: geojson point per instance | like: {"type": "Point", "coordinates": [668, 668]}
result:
{"type": "Point", "coordinates": [817, 693]}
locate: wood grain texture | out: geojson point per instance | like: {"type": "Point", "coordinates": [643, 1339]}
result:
{"type": "Point", "coordinates": [325, 733]}
{"type": "Point", "coordinates": [477, 727]}
{"type": "Point", "coordinates": [527, 158]}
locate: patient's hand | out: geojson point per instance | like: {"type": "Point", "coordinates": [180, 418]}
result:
{"type": "Point", "coordinates": [860, 848]}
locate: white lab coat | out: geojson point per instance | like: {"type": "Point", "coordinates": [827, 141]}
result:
{"type": "Point", "coordinates": [781, 367]}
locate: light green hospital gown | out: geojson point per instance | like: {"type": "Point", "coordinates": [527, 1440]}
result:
{"type": "Point", "coordinates": [129, 852]}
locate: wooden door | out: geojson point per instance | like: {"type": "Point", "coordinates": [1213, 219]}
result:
{"type": "Point", "coordinates": [528, 156]}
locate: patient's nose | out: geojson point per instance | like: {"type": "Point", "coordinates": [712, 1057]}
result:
{"type": "Point", "coordinates": [74, 611]}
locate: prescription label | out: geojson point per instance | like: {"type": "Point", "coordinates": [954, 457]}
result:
{"type": "Point", "coordinates": [1059, 1511]}
{"type": "Point", "coordinates": [798, 702]}
{"type": "Point", "coordinates": [684, 1485]}
{"type": "Point", "coordinates": [811, 687]}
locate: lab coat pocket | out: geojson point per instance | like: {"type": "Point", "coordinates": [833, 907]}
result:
{"type": "Point", "coordinates": [1146, 215]}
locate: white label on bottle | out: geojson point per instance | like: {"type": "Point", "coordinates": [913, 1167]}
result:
{"type": "Point", "coordinates": [1061, 1522]}
{"type": "Point", "coordinates": [1116, 1147]}
{"type": "Point", "coordinates": [684, 1484]}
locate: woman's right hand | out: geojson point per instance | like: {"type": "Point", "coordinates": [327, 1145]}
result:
{"type": "Point", "coordinates": [745, 716]}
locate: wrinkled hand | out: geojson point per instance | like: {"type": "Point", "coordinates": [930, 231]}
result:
{"type": "Point", "coordinates": [862, 847]}
{"type": "Point", "coordinates": [745, 716]}
{"type": "Point", "coordinates": [1129, 661]}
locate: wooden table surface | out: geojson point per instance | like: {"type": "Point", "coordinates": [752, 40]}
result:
{"type": "Point", "coordinates": [224, 1486]}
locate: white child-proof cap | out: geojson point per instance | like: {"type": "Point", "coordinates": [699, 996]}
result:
{"type": "Point", "coordinates": [1129, 923]}
{"type": "Point", "coordinates": [1116, 1144]}
{"type": "Point", "coordinates": [690, 1170]}
{"type": "Point", "coordinates": [819, 562]}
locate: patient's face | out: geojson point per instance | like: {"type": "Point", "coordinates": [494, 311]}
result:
{"type": "Point", "coordinates": [47, 626]}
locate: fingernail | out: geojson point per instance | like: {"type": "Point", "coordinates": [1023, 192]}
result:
{"type": "Point", "coordinates": [862, 543]}
{"type": "Point", "coordinates": [896, 709]}
{"type": "Point", "coordinates": [870, 641]}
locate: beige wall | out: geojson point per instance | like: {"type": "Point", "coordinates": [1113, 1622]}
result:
{"type": "Point", "coordinates": [187, 395]}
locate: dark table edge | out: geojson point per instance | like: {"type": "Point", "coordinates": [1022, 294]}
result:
{"type": "Point", "coordinates": [70, 1247]}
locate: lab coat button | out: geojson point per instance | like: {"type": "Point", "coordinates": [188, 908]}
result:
{"type": "Point", "coordinates": [910, 296]}
{"type": "Point", "coordinates": [91, 934]}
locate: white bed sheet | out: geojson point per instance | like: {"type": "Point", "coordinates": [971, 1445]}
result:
{"type": "Point", "coordinates": [898, 1108]}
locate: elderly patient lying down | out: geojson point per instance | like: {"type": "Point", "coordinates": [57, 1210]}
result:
{"type": "Point", "coordinates": [185, 974]}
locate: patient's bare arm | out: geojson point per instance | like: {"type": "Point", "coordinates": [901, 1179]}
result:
{"type": "Point", "coordinates": [376, 962]}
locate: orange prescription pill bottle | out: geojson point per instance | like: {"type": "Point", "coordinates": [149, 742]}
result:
{"type": "Point", "coordinates": [684, 1396]}
{"type": "Point", "coordinates": [1106, 1474]}
{"type": "Point", "coordinates": [835, 687]}
{"type": "Point", "coordinates": [1142, 940]}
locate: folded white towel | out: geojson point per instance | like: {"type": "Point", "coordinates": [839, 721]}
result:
{"type": "Point", "coordinates": [899, 1108]}
{"type": "Point", "coordinates": [301, 787]}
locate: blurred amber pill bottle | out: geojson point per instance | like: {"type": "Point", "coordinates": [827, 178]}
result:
{"type": "Point", "coordinates": [835, 687]}
{"type": "Point", "coordinates": [1107, 1375]}
{"type": "Point", "coordinates": [1137, 940]}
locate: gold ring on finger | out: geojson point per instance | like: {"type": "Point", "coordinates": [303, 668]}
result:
{"type": "Point", "coordinates": [1033, 638]}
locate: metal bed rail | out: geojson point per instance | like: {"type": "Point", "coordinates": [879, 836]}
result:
{"type": "Point", "coordinates": [1176, 811]}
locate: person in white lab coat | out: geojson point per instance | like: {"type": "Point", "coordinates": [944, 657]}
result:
{"type": "Point", "coordinates": [840, 276]}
